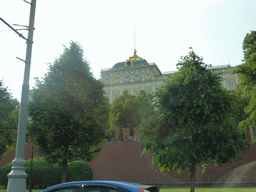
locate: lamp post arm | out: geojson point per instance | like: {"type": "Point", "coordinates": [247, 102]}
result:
{"type": "Point", "coordinates": [13, 29]}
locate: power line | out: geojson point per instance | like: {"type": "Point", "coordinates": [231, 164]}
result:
{"type": "Point", "coordinates": [20, 35]}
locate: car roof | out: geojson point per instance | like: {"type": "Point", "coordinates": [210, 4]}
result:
{"type": "Point", "coordinates": [126, 185]}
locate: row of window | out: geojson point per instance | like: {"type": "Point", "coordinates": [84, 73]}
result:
{"type": "Point", "coordinates": [135, 92]}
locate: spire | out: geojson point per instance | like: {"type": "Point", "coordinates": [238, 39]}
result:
{"type": "Point", "coordinates": [129, 62]}
{"type": "Point", "coordinates": [135, 56]}
{"type": "Point", "coordinates": [134, 39]}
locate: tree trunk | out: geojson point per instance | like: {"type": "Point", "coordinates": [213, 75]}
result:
{"type": "Point", "coordinates": [193, 178]}
{"type": "Point", "coordinates": [64, 171]}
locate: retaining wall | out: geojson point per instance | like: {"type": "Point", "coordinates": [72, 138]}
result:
{"type": "Point", "coordinates": [123, 162]}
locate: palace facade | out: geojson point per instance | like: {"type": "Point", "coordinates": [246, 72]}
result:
{"type": "Point", "coordinates": [137, 74]}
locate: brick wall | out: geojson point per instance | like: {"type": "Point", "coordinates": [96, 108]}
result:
{"type": "Point", "coordinates": [122, 162]}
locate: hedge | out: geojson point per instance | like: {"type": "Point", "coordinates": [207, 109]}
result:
{"type": "Point", "coordinates": [4, 171]}
{"type": "Point", "coordinates": [45, 174]}
{"type": "Point", "coordinates": [79, 171]}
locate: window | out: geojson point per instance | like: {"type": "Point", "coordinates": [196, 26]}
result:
{"type": "Point", "coordinates": [148, 91]}
{"type": "Point", "coordinates": [136, 92]}
{"type": "Point", "coordinates": [68, 189]}
{"type": "Point", "coordinates": [230, 84]}
{"type": "Point", "coordinates": [90, 188]}
{"type": "Point", "coordinates": [103, 189]}
{"type": "Point", "coordinates": [116, 94]}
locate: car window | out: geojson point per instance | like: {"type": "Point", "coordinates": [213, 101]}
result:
{"type": "Point", "coordinates": [103, 189]}
{"type": "Point", "coordinates": [98, 189]}
{"type": "Point", "coordinates": [67, 190]}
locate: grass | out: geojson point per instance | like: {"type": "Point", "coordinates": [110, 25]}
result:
{"type": "Point", "coordinates": [34, 190]}
{"type": "Point", "coordinates": [2, 189]}
{"type": "Point", "coordinates": [208, 189]}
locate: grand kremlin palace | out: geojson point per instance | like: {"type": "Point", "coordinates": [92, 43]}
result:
{"type": "Point", "coordinates": [137, 74]}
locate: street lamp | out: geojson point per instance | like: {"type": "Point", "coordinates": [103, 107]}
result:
{"type": "Point", "coordinates": [17, 177]}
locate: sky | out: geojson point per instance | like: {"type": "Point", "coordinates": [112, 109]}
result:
{"type": "Point", "coordinates": [165, 29]}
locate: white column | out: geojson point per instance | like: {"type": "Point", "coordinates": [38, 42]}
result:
{"type": "Point", "coordinates": [224, 84]}
{"type": "Point", "coordinates": [236, 78]}
{"type": "Point", "coordinates": [111, 96]}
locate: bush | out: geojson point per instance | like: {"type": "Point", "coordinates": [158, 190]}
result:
{"type": "Point", "coordinates": [79, 171]}
{"type": "Point", "coordinates": [45, 174]}
{"type": "Point", "coordinates": [4, 171]}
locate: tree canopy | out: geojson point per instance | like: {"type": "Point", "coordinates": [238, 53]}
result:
{"type": "Point", "coordinates": [8, 120]}
{"type": "Point", "coordinates": [69, 112]}
{"type": "Point", "coordinates": [247, 76]}
{"type": "Point", "coordinates": [129, 111]}
{"type": "Point", "coordinates": [192, 122]}
{"type": "Point", "coordinates": [124, 114]}
{"type": "Point", "coordinates": [124, 111]}
{"type": "Point", "coordinates": [240, 100]}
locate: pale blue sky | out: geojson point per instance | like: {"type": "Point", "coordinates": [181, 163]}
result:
{"type": "Point", "coordinates": [215, 29]}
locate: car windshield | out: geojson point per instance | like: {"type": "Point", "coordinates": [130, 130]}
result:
{"type": "Point", "coordinates": [68, 190]}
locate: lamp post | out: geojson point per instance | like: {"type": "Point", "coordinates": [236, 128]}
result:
{"type": "Point", "coordinates": [17, 177]}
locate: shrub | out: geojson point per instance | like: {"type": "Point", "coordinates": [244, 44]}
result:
{"type": "Point", "coordinates": [43, 173]}
{"type": "Point", "coordinates": [79, 171]}
{"type": "Point", "coordinates": [4, 171]}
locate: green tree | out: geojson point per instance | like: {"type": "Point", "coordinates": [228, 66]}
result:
{"type": "Point", "coordinates": [130, 111]}
{"type": "Point", "coordinates": [240, 100]}
{"type": "Point", "coordinates": [145, 105]}
{"type": "Point", "coordinates": [124, 114]}
{"type": "Point", "coordinates": [8, 120]}
{"type": "Point", "coordinates": [69, 112]}
{"type": "Point", "coordinates": [192, 122]}
{"type": "Point", "coordinates": [247, 76]}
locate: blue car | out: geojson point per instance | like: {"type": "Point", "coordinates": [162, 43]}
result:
{"type": "Point", "coordinates": [100, 186]}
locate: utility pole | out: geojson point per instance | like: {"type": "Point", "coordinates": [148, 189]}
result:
{"type": "Point", "coordinates": [17, 177]}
